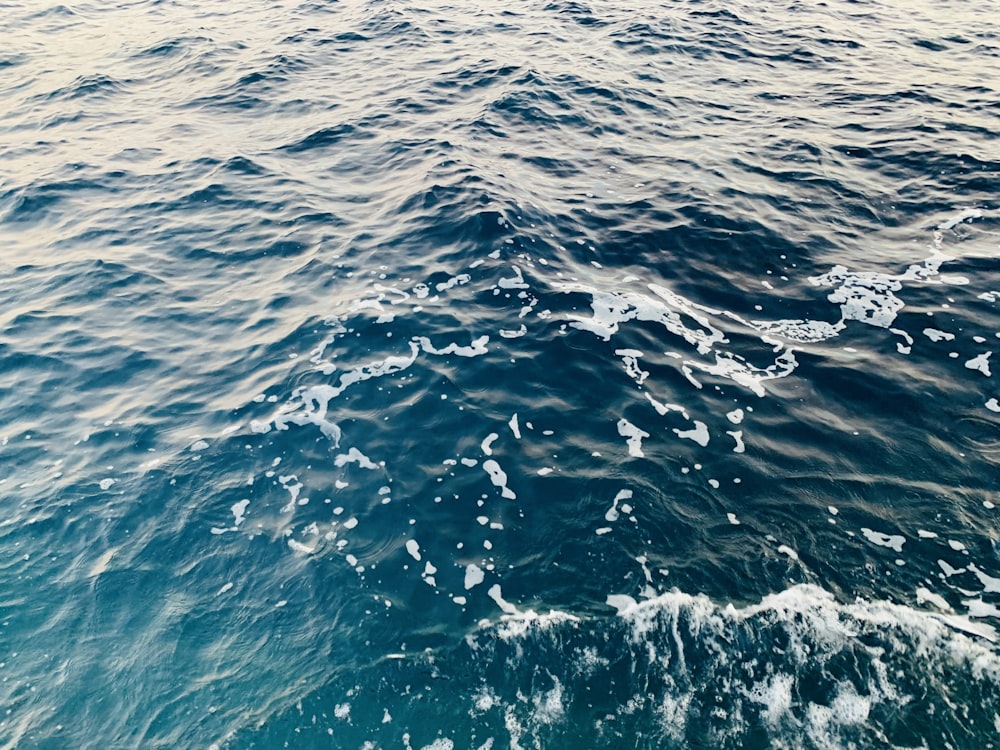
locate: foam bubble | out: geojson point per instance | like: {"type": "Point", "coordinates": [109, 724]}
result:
{"type": "Point", "coordinates": [499, 478]}
{"type": "Point", "coordinates": [476, 349]}
{"type": "Point", "coordinates": [487, 445]}
{"type": "Point", "coordinates": [413, 548]}
{"type": "Point", "coordinates": [612, 513]}
{"type": "Point", "coordinates": [514, 282]}
{"type": "Point", "coordinates": [892, 541]}
{"type": "Point", "coordinates": [494, 592]}
{"type": "Point", "coordinates": [935, 335]}
{"type": "Point", "coordinates": [299, 547]}
{"type": "Point", "coordinates": [775, 694]}
{"type": "Point", "coordinates": [699, 433]}
{"type": "Point", "coordinates": [964, 215]}
{"type": "Point", "coordinates": [549, 706]}
{"type": "Point", "coordinates": [786, 550]}
{"type": "Point", "coordinates": [633, 435]}
{"type": "Point", "coordinates": [926, 596]}
{"type": "Point", "coordinates": [473, 576]}
{"type": "Point", "coordinates": [354, 456]}
{"type": "Point", "coordinates": [980, 363]}
{"type": "Point", "coordinates": [737, 435]}
{"type": "Point", "coordinates": [515, 334]}
{"type": "Point", "coordinates": [630, 359]}
{"type": "Point", "coordinates": [239, 510]}
{"type": "Point", "coordinates": [462, 278]}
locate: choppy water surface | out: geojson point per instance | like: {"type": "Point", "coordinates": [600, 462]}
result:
{"type": "Point", "coordinates": [412, 375]}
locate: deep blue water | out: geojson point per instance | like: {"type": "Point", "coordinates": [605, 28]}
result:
{"type": "Point", "coordinates": [538, 375]}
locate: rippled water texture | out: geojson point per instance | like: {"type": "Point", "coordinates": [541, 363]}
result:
{"type": "Point", "coordinates": [535, 375]}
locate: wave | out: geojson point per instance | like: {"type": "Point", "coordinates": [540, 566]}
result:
{"type": "Point", "coordinates": [799, 669]}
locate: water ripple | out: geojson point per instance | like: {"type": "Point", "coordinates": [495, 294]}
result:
{"type": "Point", "coordinates": [360, 361]}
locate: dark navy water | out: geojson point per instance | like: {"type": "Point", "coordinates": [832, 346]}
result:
{"type": "Point", "coordinates": [538, 375]}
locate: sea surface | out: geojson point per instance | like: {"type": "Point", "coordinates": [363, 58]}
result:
{"type": "Point", "coordinates": [432, 376]}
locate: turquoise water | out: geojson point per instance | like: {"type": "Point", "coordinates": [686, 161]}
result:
{"type": "Point", "coordinates": [593, 375]}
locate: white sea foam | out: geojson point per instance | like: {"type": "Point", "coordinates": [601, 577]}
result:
{"type": "Point", "coordinates": [499, 478]}
{"type": "Point", "coordinates": [633, 436]}
{"type": "Point", "coordinates": [473, 576]}
{"type": "Point", "coordinates": [413, 548]}
{"type": "Point", "coordinates": [981, 363]}
{"type": "Point", "coordinates": [354, 456]}
{"type": "Point", "coordinates": [964, 215]}
{"type": "Point", "coordinates": [935, 335]}
{"type": "Point", "coordinates": [862, 297]}
{"type": "Point", "coordinates": [514, 334]}
{"type": "Point", "coordinates": [683, 645]}
{"type": "Point", "coordinates": [441, 743]}
{"type": "Point", "coordinates": [487, 445]}
{"type": "Point", "coordinates": [892, 541]}
{"type": "Point", "coordinates": [548, 706]}
{"type": "Point", "coordinates": [239, 510]}
{"type": "Point", "coordinates": [664, 409]}
{"type": "Point", "coordinates": [926, 596]}
{"type": "Point", "coordinates": [866, 297]}
{"type": "Point", "coordinates": [514, 282]}
{"type": "Point", "coordinates": [774, 693]}
{"type": "Point", "coordinates": [299, 547]}
{"type": "Point", "coordinates": [496, 594]}
{"type": "Point", "coordinates": [630, 358]}
{"type": "Point", "coordinates": [788, 551]}
{"type": "Point", "coordinates": [699, 433]}
{"type": "Point", "coordinates": [737, 435]}
{"type": "Point", "coordinates": [462, 278]}
{"type": "Point", "coordinates": [476, 349]}
{"type": "Point", "coordinates": [613, 514]}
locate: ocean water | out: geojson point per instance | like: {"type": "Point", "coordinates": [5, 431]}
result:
{"type": "Point", "coordinates": [382, 374]}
